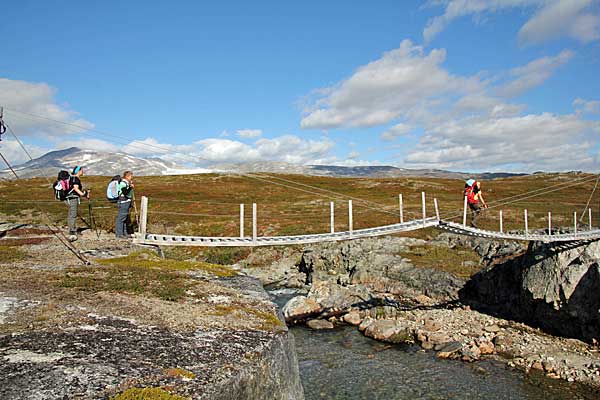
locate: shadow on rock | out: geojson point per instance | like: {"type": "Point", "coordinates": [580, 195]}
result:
{"type": "Point", "coordinates": [553, 287]}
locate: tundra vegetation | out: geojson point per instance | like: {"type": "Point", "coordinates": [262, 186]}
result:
{"type": "Point", "coordinates": [208, 205]}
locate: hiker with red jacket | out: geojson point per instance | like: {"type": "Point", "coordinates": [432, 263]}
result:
{"type": "Point", "coordinates": [73, 199]}
{"type": "Point", "coordinates": [474, 198]}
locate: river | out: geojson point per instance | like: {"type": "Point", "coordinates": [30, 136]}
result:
{"type": "Point", "coordinates": [344, 364]}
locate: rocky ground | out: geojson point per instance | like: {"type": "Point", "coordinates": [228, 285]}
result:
{"type": "Point", "coordinates": [391, 291]}
{"type": "Point", "coordinates": [133, 324]}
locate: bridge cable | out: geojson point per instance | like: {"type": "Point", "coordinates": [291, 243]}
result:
{"type": "Point", "coordinates": [501, 202]}
{"type": "Point", "coordinates": [330, 191]}
{"type": "Point", "coordinates": [589, 199]}
{"type": "Point", "coordinates": [316, 193]}
{"type": "Point", "coordinates": [165, 150]}
{"type": "Point", "coordinates": [9, 166]}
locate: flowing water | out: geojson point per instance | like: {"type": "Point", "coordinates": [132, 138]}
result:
{"type": "Point", "coordinates": [344, 364]}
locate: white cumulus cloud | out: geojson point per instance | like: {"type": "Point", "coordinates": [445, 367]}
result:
{"type": "Point", "coordinates": [550, 18]}
{"type": "Point", "coordinates": [31, 109]}
{"type": "Point", "coordinates": [396, 131]}
{"type": "Point", "coordinates": [398, 84]}
{"type": "Point", "coordinates": [562, 18]}
{"type": "Point", "coordinates": [587, 106]}
{"type": "Point", "coordinates": [525, 143]}
{"type": "Point", "coordinates": [534, 73]}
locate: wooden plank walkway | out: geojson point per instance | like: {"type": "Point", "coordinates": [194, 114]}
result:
{"type": "Point", "coordinates": [174, 240]}
{"type": "Point", "coordinates": [142, 237]}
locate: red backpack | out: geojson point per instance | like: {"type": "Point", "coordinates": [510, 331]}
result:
{"type": "Point", "coordinates": [470, 193]}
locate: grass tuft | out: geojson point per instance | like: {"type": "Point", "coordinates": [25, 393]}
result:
{"type": "Point", "coordinates": [456, 261]}
{"type": "Point", "coordinates": [9, 254]}
{"type": "Point", "coordinates": [147, 394]}
{"type": "Point", "coordinates": [267, 320]}
{"type": "Point", "coordinates": [147, 261]}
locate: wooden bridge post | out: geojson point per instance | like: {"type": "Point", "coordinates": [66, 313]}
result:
{"type": "Point", "coordinates": [501, 227]}
{"type": "Point", "coordinates": [254, 230]}
{"type": "Point", "coordinates": [350, 222]}
{"type": "Point", "coordinates": [423, 206]}
{"type": "Point", "coordinates": [437, 211]}
{"type": "Point", "coordinates": [575, 223]}
{"type": "Point", "coordinates": [332, 217]}
{"type": "Point", "coordinates": [401, 209]}
{"type": "Point", "coordinates": [549, 223]}
{"type": "Point", "coordinates": [590, 217]}
{"type": "Point", "coordinates": [241, 221]}
{"type": "Point", "coordinates": [143, 216]}
{"type": "Point", "coordinates": [465, 213]}
{"type": "Point", "coordinates": [526, 224]}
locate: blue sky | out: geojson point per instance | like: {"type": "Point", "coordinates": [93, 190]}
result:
{"type": "Point", "coordinates": [498, 85]}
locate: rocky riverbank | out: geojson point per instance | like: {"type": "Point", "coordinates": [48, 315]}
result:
{"type": "Point", "coordinates": [376, 286]}
{"type": "Point", "coordinates": [132, 324]}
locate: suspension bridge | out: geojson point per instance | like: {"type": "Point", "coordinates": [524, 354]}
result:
{"type": "Point", "coordinates": [578, 233]}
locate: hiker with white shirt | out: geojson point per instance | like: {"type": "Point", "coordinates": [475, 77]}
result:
{"type": "Point", "coordinates": [125, 197]}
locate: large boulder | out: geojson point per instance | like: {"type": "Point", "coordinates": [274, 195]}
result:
{"type": "Point", "coordinates": [300, 307]}
{"type": "Point", "coordinates": [376, 264]}
{"type": "Point", "coordinates": [325, 297]}
{"type": "Point", "coordinates": [389, 330]}
{"type": "Point", "coordinates": [331, 295]}
{"type": "Point", "coordinates": [553, 286]}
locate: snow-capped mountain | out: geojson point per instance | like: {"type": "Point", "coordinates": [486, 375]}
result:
{"type": "Point", "coordinates": [97, 163]}
{"type": "Point", "coordinates": [106, 164]}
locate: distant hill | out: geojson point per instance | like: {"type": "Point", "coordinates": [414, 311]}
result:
{"type": "Point", "coordinates": [95, 163]}
{"type": "Point", "coordinates": [105, 163]}
{"type": "Point", "coordinates": [376, 171]}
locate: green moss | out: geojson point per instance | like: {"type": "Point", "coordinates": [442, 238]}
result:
{"type": "Point", "coordinates": [225, 255]}
{"type": "Point", "coordinates": [145, 260]}
{"type": "Point", "coordinates": [9, 254]}
{"type": "Point", "coordinates": [166, 285]}
{"type": "Point", "coordinates": [147, 394]}
{"type": "Point", "coordinates": [267, 321]}
{"type": "Point", "coordinates": [444, 258]}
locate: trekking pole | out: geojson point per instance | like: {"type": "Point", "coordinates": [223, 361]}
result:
{"type": "Point", "coordinates": [92, 219]}
{"type": "Point", "coordinates": [88, 224]}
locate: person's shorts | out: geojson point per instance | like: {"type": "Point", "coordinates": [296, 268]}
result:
{"type": "Point", "coordinates": [475, 207]}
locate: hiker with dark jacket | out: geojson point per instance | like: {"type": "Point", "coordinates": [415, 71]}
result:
{"type": "Point", "coordinates": [474, 197]}
{"type": "Point", "coordinates": [73, 199]}
{"type": "Point", "coordinates": [125, 193]}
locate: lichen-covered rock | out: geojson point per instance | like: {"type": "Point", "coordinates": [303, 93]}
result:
{"type": "Point", "coordinates": [553, 286]}
{"type": "Point", "coordinates": [103, 359]}
{"type": "Point", "coordinates": [135, 322]}
{"type": "Point", "coordinates": [376, 264]}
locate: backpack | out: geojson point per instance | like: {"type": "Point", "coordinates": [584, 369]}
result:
{"type": "Point", "coordinates": [470, 192]}
{"type": "Point", "coordinates": [62, 186]}
{"type": "Point", "coordinates": [112, 189]}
